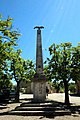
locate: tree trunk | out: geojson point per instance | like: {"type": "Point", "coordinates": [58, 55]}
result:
{"type": "Point", "coordinates": [66, 93]}
{"type": "Point", "coordinates": [17, 91]}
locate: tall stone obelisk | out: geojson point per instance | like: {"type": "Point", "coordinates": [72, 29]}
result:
{"type": "Point", "coordinates": [39, 82]}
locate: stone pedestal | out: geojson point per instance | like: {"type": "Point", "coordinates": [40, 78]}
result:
{"type": "Point", "coordinates": [39, 88]}
{"type": "Point", "coordinates": [39, 91]}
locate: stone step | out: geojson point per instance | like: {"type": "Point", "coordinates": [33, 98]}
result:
{"type": "Point", "coordinates": [36, 104]}
{"type": "Point", "coordinates": [39, 113]}
{"type": "Point", "coordinates": [38, 108]}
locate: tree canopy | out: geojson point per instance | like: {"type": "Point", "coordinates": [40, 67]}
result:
{"type": "Point", "coordinates": [12, 65]}
{"type": "Point", "coordinates": [64, 64]}
{"type": "Point", "coordinates": [8, 38]}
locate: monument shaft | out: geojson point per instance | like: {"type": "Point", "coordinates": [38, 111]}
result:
{"type": "Point", "coordinates": [39, 83]}
{"type": "Point", "coordinates": [39, 57]}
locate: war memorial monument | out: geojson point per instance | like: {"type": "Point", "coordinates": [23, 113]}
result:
{"type": "Point", "coordinates": [39, 81]}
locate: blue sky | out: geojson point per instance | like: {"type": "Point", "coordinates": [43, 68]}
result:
{"type": "Point", "coordinates": [60, 18]}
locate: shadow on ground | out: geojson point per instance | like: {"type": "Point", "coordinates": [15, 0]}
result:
{"type": "Point", "coordinates": [48, 109]}
{"type": "Point", "coordinates": [75, 95]}
{"type": "Point", "coordinates": [3, 106]}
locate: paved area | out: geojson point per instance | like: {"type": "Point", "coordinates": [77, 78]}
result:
{"type": "Point", "coordinates": [55, 96]}
{"type": "Point", "coordinates": [60, 97]}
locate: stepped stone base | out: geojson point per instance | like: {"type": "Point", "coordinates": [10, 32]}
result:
{"type": "Point", "coordinates": [40, 109]}
{"type": "Point", "coordinates": [40, 113]}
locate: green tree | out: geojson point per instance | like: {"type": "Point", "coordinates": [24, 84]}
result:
{"type": "Point", "coordinates": [8, 38]}
{"type": "Point", "coordinates": [21, 70]}
{"type": "Point", "coordinates": [12, 65]}
{"type": "Point", "coordinates": [5, 82]}
{"type": "Point", "coordinates": [76, 65]}
{"type": "Point", "coordinates": [60, 64]}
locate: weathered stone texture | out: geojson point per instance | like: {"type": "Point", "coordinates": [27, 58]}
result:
{"type": "Point", "coordinates": [39, 91]}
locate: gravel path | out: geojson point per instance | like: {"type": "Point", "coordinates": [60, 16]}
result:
{"type": "Point", "coordinates": [57, 97]}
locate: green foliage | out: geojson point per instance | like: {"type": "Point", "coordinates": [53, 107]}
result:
{"type": "Point", "coordinates": [6, 31]}
{"type": "Point", "coordinates": [72, 87]}
{"type": "Point", "coordinates": [21, 69]}
{"type": "Point", "coordinates": [12, 66]}
{"type": "Point", "coordinates": [8, 38]}
{"type": "Point", "coordinates": [5, 84]}
{"type": "Point", "coordinates": [76, 64]}
{"type": "Point", "coordinates": [64, 64]}
{"type": "Point", "coordinates": [59, 64]}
